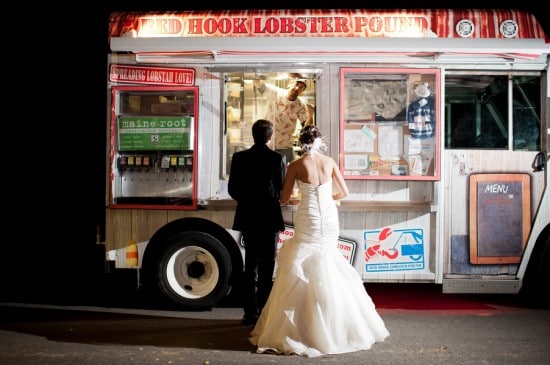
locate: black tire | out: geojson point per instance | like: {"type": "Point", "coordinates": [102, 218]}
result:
{"type": "Point", "coordinates": [193, 271]}
{"type": "Point", "coordinates": [537, 276]}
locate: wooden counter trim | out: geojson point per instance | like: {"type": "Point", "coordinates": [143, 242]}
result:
{"type": "Point", "coordinates": [345, 206]}
{"type": "Point", "coordinates": [388, 206]}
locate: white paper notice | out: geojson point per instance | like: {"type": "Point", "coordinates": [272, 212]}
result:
{"type": "Point", "coordinates": [359, 140]}
{"type": "Point", "coordinates": [390, 142]}
{"type": "Point", "coordinates": [356, 162]}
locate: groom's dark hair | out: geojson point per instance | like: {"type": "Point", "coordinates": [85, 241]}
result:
{"type": "Point", "coordinates": [262, 131]}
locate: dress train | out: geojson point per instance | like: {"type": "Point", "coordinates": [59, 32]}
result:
{"type": "Point", "coordinates": [318, 304]}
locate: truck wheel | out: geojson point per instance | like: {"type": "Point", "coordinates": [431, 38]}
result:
{"type": "Point", "coordinates": [194, 270]}
{"type": "Point", "coordinates": [537, 276]}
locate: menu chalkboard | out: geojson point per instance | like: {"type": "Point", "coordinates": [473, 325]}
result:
{"type": "Point", "coordinates": [500, 217]}
{"type": "Point", "coordinates": [155, 133]}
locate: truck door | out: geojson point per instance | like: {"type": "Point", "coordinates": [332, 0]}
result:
{"type": "Point", "coordinates": [492, 126]}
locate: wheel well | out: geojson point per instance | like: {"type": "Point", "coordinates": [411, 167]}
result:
{"type": "Point", "coordinates": [158, 241]}
{"type": "Point", "coordinates": [537, 274]}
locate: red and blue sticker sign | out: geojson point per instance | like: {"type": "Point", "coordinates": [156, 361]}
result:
{"type": "Point", "coordinates": [394, 250]}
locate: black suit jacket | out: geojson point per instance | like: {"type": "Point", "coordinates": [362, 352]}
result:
{"type": "Point", "coordinates": [255, 182]}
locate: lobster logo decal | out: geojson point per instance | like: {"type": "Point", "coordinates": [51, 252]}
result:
{"type": "Point", "coordinates": [382, 247]}
{"type": "Point", "coordinates": [394, 250]}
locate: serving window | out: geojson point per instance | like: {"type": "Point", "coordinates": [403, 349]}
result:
{"type": "Point", "coordinates": [389, 123]}
{"type": "Point", "coordinates": [245, 103]}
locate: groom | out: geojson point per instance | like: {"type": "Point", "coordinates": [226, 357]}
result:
{"type": "Point", "coordinates": [255, 182]}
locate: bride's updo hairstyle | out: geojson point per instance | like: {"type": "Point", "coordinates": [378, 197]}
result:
{"type": "Point", "coordinates": [311, 139]}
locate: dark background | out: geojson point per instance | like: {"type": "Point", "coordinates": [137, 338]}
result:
{"type": "Point", "coordinates": [55, 146]}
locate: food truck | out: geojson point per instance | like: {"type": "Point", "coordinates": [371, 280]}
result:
{"type": "Point", "coordinates": [438, 119]}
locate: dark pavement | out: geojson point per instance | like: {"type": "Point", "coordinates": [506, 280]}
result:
{"type": "Point", "coordinates": [426, 327]}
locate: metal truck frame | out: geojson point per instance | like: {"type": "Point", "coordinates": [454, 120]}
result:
{"type": "Point", "coordinates": [466, 208]}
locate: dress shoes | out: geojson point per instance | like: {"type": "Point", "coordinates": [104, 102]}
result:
{"type": "Point", "coordinates": [249, 320]}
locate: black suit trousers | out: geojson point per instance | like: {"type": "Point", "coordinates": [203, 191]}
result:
{"type": "Point", "coordinates": [259, 264]}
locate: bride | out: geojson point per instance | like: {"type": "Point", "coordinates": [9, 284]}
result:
{"type": "Point", "coordinates": [318, 304]}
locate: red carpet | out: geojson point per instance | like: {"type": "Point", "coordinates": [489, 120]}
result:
{"type": "Point", "coordinates": [425, 296]}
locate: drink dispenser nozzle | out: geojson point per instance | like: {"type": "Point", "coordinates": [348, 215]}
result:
{"type": "Point", "coordinates": [138, 162]}
{"type": "Point", "coordinates": [181, 163]}
{"type": "Point", "coordinates": [189, 163]}
{"type": "Point", "coordinates": [146, 162]}
{"type": "Point", "coordinates": [131, 162]}
{"type": "Point", "coordinates": [165, 162]}
{"type": "Point", "coordinates": [122, 163]}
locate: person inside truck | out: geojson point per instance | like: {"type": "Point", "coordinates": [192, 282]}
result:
{"type": "Point", "coordinates": [285, 109]}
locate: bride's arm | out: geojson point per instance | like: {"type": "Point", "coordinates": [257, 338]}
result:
{"type": "Point", "coordinates": [288, 184]}
{"type": "Point", "coordinates": [339, 182]}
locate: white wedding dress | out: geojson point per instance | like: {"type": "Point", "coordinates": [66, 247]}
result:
{"type": "Point", "coordinates": [318, 304]}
